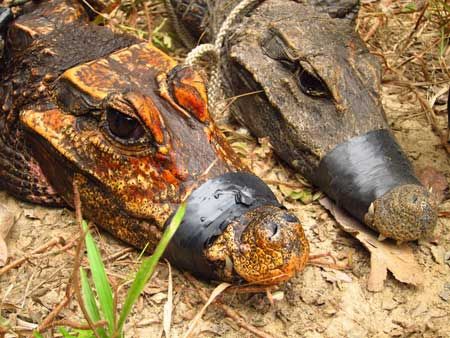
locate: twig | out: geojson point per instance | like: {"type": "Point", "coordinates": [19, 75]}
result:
{"type": "Point", "coordinates": [251, 289]}
{"type": "Point", "coordinates": [48, 321]}
{"type": "Point", "coordinates": [315, 260]}
{"type": "Point", "coordinates": [229, 311]}
{"type": "Point", "coordinates": [75, 325]}
{"type": "Point", "coordinates": [286, 184]}
{"type": "Point", "coordinates": [413, 31]}
{"type": "Point", "coordinates": [377, 24]}
{"type": "Point", "coordinates": [418, 56]}
{"type": "Point", "coordinates": [41, 249]}
{"type": "Point", "coordinates": [149, 21]}
{"type": "Point", "coordinates": [373, 29]}
{"type": "Point", "coordinates": [118, 254]}
{"type": "Point", "coordinates": [194, 322]}
{"type": "Point", "coordinates": [431, 116]}
{"type": "Point", "coordinates": [66, 247]}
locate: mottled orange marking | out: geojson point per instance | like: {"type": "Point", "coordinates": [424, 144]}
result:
{"type": "Point", "coordinates": [189, 90]}
{"type": "Point", "coordinates": [255, 255]}
{"type": "Point", "coordinates": [169, 177]}
{"type": "Point", "coordinates": [144, 54]}
{"type": "Point", "coordinates": [94, 78]}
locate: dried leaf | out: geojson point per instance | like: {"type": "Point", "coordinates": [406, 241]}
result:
{"type": "Point", "coordinates": [6, 222]}
{"type": "Point", "coordinates": [216, 292]}
{"type": "Point", "coordinates": [336, 276]}
{"type": "Point", "coordinates": [434, 180]}
{"type": "Point", "coordinates": [303, 195]}
{"type": "Point", "coordinates": [386, 255]}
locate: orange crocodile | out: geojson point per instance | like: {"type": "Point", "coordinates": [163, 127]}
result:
{"type": "Point", "coordinates": [116, 116]}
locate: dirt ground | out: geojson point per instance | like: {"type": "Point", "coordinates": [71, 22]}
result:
{"type": "Point", "coordinates": [319, 302]}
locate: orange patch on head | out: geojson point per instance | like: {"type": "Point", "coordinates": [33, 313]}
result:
{"type": "Point", "coordinates": [45, 122]}
{"type": "Point", "coordinates": [144, 55]}
{"type": "Point", "coordinates": [96, 78]}
{"type": "Point", "coordinates": [189, 91]}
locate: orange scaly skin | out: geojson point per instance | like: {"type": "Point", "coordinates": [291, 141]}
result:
{"type": "Point", "coordinates": [117, 117]}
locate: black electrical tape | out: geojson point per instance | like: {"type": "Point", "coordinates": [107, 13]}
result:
{"type": "Point", "coordinates": [357, 172]}
{"type": "Point", "coordinates": [210, 208]}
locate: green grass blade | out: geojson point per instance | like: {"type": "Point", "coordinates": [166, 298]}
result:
{"type": "Point", "coordinates": [65, 333]}
{"type": "Point", "coordinates": [89, 302]}
{"type": "Point", "coordinates": [148, 266]}
{"type": "Point", "coordinates": [102, 286]}
{"type": "Point", "coordinates": [37, 335]}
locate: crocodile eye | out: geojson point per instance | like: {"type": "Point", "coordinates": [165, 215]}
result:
{"type": "Point", "coordinates": [312, 85]}
{"type": "Point", "coordinates": [124, 126]}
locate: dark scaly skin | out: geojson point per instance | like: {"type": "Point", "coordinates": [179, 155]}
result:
{"type": "Point", "coordinates": [114, 115]}
{"type": "Point", "coordinates": [284, 47]}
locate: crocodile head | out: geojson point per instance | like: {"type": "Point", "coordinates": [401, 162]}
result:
{"type": "Point", "coordinates": [305, 79]}
{"type": "Point", "coordinates": [132, 131]}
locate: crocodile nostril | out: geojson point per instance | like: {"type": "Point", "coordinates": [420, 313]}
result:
{"type": "Point", "coordinates": [272, 229]}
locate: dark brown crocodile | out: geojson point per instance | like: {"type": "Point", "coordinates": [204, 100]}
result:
{"type": "Point", "coordinates": [317, 97]}
{"type": "Point", "coordinates": [110, 113]}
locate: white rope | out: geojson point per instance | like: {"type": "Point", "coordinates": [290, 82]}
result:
{"type": "Point", "coordinates": [198, 52]}
{"type": "Point", "coordinates": [215, 83]}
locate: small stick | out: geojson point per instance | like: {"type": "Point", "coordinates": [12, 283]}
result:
{"type": "Point", "coordinates": [47, 322]}
{"type": "Point", "coordinates": [75, 325]}
{"type": "Point", "coordinates": [373, 29]}
{"type": "Point", "coordinates": [413, 31]}
{"type": "Point", "coordinates": [149, 21]}
{"type": "Point", "coordinates": [66, 247]}
{"type": "Point", "coordinates": [251, 289]}
{"type": "Point", "coordinates": [315, 260]}
{"type": "Point", "coordinates": [286, 184]}
{"type": "Point", "coordinates": [118, 254]}
{"type": "Point", "coordinates": [39, 250]}
{"type": "Point", "coordinates": [229, 311]}
{"type": "Point", "coordinates": [326, 254]}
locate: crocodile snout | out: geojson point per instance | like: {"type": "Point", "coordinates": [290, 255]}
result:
{"type": "Point", "coordinates": [405, 213]}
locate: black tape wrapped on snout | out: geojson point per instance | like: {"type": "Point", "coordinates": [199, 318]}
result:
{"type": "Point", "coordinates": [210, 208]}
{"type": "Point", "coordinates": [357, 172]}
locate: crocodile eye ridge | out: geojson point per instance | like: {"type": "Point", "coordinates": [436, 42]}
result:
{"type": "Point", "coordinates": [308, 81]}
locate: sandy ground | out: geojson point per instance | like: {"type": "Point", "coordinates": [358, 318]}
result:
{"type": "Point", "coordinates": [321, 301]}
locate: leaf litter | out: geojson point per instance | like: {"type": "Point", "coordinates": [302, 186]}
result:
{"type": "Point", "coordinates": [384, 255]}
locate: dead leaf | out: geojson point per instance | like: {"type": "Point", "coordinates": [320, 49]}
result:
{"type": "Point", "coordinates": [386, 255]}
{"type": "Point", "coordinates": [435, 180]}
{"type": "Point", "coordinates": [336, 276]}
{"type": "Point", "coordinates": [216, 292]}
{"type": "Point", "coordinates": [6, 222]}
